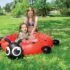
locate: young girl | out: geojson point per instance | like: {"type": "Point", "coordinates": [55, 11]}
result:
{"type": "Point", "coordinates": [23, 32]}
{"type": "Point", "coordinates": [31, 20]}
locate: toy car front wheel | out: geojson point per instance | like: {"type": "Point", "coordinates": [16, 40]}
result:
{"type": "Point", "coordinates": [46, 49]}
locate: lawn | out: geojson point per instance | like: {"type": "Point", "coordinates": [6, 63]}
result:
{"type": "Point", "coordinates": [58, 59]}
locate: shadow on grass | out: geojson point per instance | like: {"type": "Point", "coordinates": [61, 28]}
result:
{"type": "Point", "coordinates": [54, 26]}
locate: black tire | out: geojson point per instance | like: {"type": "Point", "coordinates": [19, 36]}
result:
{"type": "Point", "coordinates": [0, 43]}
{"type": "Point", "coordinates": [1, 38]}
{"type": "Point", "coordinates": [56, 42]}
{"type": "Point", "coordinates": [46, 49]}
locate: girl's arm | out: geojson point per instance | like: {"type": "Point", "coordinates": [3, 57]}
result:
{"type": "Point", "coordinates": [35, 25]}
{"type": "Point", "coordinates": [25, 20]}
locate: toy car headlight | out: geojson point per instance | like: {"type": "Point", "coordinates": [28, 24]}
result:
{"type": "Point", "coordinates": [7, 51]}
{"type": "Point", "coordinates": [16, 51]}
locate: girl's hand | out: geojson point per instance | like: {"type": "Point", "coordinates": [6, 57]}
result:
{"type": "Point", "coordinates": [31, 37]}
{"type": "Point", "coordinates": [32, 33]}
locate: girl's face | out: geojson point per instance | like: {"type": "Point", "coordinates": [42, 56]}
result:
{"type": "Point", "coordinates": [24, 28]}
{"type": "Point", "coordinates": [30, 13]}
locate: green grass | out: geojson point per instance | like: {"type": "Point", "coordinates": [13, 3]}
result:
{"type": "Point", "coordinates": [59, 59]}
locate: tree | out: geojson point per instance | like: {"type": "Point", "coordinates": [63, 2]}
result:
{"type": "Point", "coordinates": [20, 8]}
{"type": "Point", "coordinates": [63, 6]}
{"type": "Point", "coordinates": [7, 7]}
{"type": "Point", "coordinates": [63, 3]}
{"type": "Point", "coordinates": [42, 7]}
{"type": "Point", "coordinates": [1, 11]}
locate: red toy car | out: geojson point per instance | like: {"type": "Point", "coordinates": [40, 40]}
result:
{"type": "Point", "coordinates": [40, 43]}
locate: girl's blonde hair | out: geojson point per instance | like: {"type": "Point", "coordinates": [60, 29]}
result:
{"type": "Point", "coordinates": [34, 14]}
{"type": "Point", "coordinates": [21, 26]}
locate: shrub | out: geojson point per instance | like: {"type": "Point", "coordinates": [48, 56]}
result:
{"type": "Point", "coordinates": [17, 11]}
{"type": "Point", "coordinates": [55, 13]}
{"type": "Point", "coordinates": [20, 8]}
{"type": "Point", "coordinates": [65, 11]}
{"type": "Point", "coordinates": [1, 11]}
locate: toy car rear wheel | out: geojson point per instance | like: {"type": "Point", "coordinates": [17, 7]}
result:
{"type": "Point", "coordinates": [46, 49]}
{"type": "Point", "coordinates": [0, 43]}
{"type": "Point", "coordinates": [56, 42]}
{"type": "Point", "coordinates": [1, 38]}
